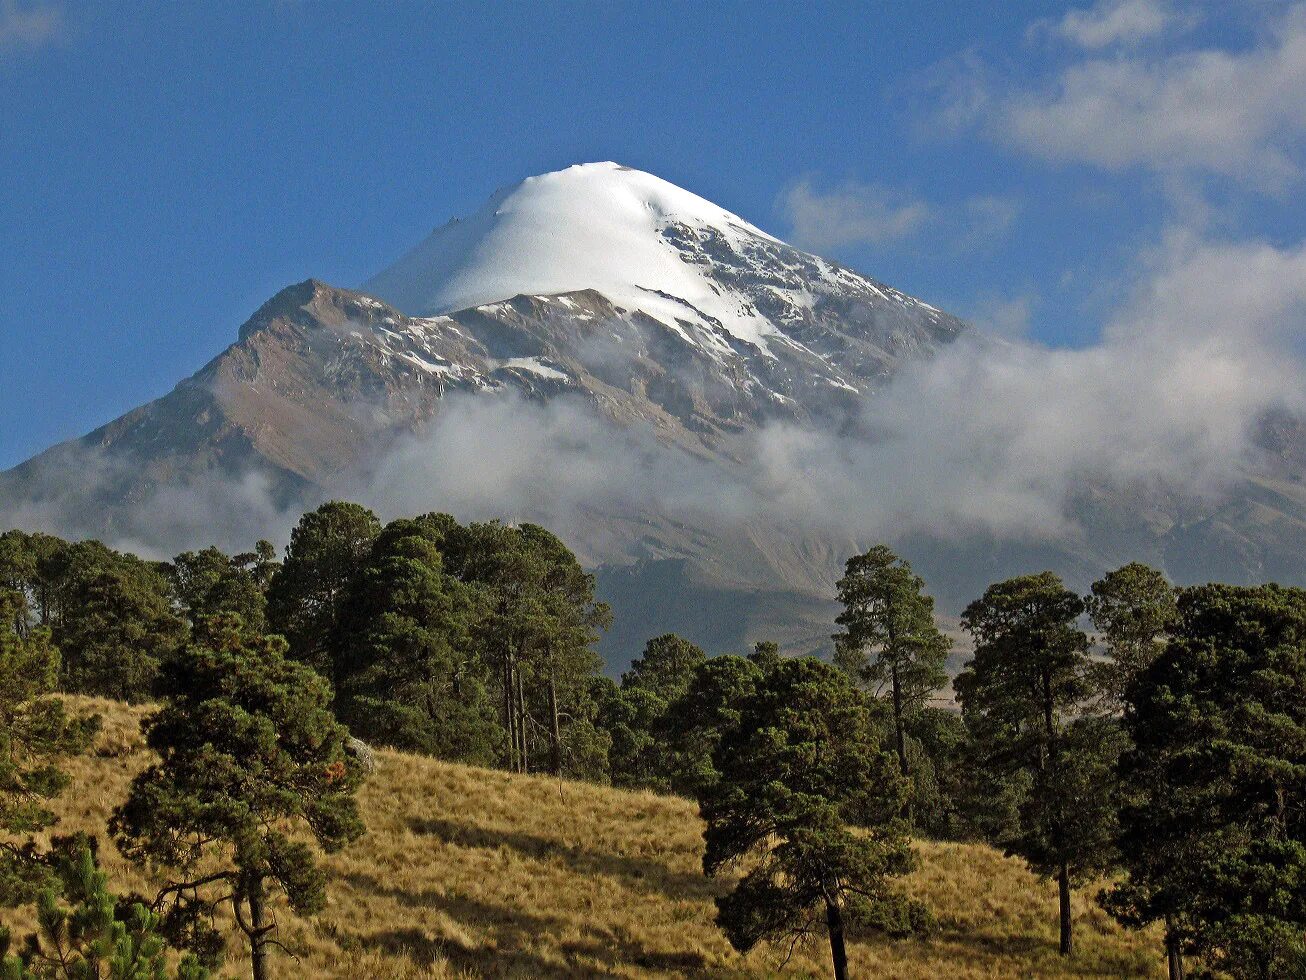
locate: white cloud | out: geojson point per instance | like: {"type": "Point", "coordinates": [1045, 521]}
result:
{"type": "Point", "coordinates": [993, 435]}
{"type": "Point", "coordinates": [1234, 113]}
{"type": "Point", "coordinates": [1112, 22]}
{"type": "Point", "coordinates": [851, 213]}
{"type": "Point", "coordinates": [855, 213]}
{"type": "Point", "coordinates": [1003, 316]}
{"type": "Point", "coordinates": [28, 26]}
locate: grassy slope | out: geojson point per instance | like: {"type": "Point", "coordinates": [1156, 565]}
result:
{"type": "Point", "coordinates": [472, 872]}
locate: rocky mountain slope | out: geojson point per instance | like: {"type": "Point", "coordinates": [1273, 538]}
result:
{"type": "Point", "coordinates": [683, 330]}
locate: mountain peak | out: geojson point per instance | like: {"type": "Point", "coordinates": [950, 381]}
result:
{"type": "Point", "coordinates": [600, 226]}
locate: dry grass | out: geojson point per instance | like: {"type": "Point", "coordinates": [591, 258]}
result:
{"type": "Point", "coordinates": [471, 872]}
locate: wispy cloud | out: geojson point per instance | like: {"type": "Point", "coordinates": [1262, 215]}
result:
{"type": "Point", "coordinates": [1235, 113]}
{"type": "Point", "coordinates": [29, 26]}
{"type": "Point", "coordinates": [850, 213]}
{"type": "Point", "coordinates": [854, 213]}
{"type": "Point", "coordinates": [1111, 22]}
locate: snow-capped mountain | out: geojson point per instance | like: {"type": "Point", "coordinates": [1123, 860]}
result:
{"type": "Point", "coordinates": [627, 270]}
{"type": "Point", "coordinates": [664, 315]}
{"type": "Point", "coordinates": [647, 246]}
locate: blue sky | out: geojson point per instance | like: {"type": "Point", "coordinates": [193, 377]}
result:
{"type": "Point", "coordinates": [164, 168]}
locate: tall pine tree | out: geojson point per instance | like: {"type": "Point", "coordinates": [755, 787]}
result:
{"type": "Point", "coordinates": [800, 766]}
{"type": "Point", "coordinates": [251, 763]}
{"type": "Point", "coordinates": [1021, 695]}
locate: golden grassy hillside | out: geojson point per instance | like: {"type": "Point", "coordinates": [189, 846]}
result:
{"type": "Point", "coordinates": [473, 872]}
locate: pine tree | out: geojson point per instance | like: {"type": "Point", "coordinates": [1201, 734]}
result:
{"type": "Point", "coordinates": [35, 733]}
{"type": "Point", "coordinates": [326, 550]}
{"type": "Point", "coordinates": [1213, 826]}
{"type": "Point", "coordinates": [630, 717]}
{"type": "Point", "coordinates": [1020, 694]}
{"type": "Point", "coordinates": [567, 661]}
{"type": "Point", "coordinates": [113, 621]}
{"type": "Point", "coordinates": [1133, 609]}
{"type": "Point", "coordinates": [801, 764]}
{"type": "Point", "coordinates": [695, 723]}
{"type": "Point", "coordinates": [537, 637]}
{"type": "Point", "coordinates": [889, 638]}
{"type": "Point", "coordinates": [402, 651]}
{"type": "Point", "coordinates": [99, 938]}
{"type": "Point", "coordinates": [209, 582]}
{"type": "Point", "coordinates": [665, 667]}
{"type": "Point", "coordinates": [250, 755]}
{"type": "Point", "coordinates": [633, 715]}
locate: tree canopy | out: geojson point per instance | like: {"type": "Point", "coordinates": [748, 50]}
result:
{"type": "Point", "coordinates": [803, 762]}
{"type": "Point", "coordinates": [248, 750]}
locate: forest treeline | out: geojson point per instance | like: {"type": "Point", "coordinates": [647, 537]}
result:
{"type": "Point", "coordinates": [1142, 735]}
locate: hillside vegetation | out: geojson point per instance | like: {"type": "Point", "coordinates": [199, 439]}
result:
{"type": "Point", "coordinates": [475, 872]}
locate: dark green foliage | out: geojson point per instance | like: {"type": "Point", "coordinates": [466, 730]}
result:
{"type": "Point", "coordinates": [1133, 609]}
{"type": "Point", "coordinates": [630, 716]}
{"type": "Point", "coordinates": [694, 724]}
{"type": "Point", "coordinates": [634, 714]}
{"type": "Point", "coordinates": [665, 668]}
{"type": "Point", "coordinates": [209, 582]}
{"type": "Point", "coordinates": [248, 749]}
{"type": "Point", "coordinates": [29, 568]}
{"type": "Point", "coordinates": [1213, 825]}
{"type": "Point", "coordinates": [112, 619]}
{"type": "Point", "coordinates": [889, 643]}
{"type": "Point", "coordinates": [536, 637]}
{"type": "Point", "coordinates": [403, 654]}
{"type": "Point", "coordinates": [99, 937]}
{"type": "Point", "coordinates": [327, 548]}
{"type": "Point", "coordinates": [802, 762]}
{"type": "Point", "coordinates": [565, 662]}
{"type": "Point", "coordinates": [765, 654]}
{"type": "Point", "coordinates": [1020, 695]}
{"type": "Point", "coordinates": [945, 802]}
{"type": "Point", "coordinates": [35, 732]}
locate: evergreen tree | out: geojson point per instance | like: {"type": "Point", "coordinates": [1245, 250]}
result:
{"type": "Point", "coordinates": [35, 733]}
{"type": "Point", "coordinates": [249, 757]}
{"type": "Point", "coordinates": [99, 938]}
{"type": "Point", "coordinates": [633, 715]}
{"type": "Point", "coordinates": [28, 568]}
{"type": "Point", "coordinates": [536, 637]}
{"type": "Point", "coordinates": [403, 654]}
{"type": "Point", "coordinates": [1133, 609]}
{"type": "Point", "coordinates": [765, 654]}
{"type": "Point", "coordinates": [1213, 825]}
{"type": "Point", "coordinates": [942, 804]}
{"type": "Point", "coordinates": [693, 725]}
{"type": "Point", "coordinates": [327, 548]}
{"type": "Point", "coordinates": [802, 763]}
{"type": "Point", "coordinates": [889, 638]}
{"type": "Point", "coordinates": [1029, 679]}
{"type": "Point", "coordinates": [114, 624]}
{"type": "Point", "coordinates": [665, 668]}
{"type": "Point", "coordinates": [209, 582]}
{"type": "Point", "coordinates": [566, 660]}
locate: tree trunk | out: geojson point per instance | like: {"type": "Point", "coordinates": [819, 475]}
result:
{"type": "Point", "coordinates": [555, 729]}
{"type": "Point", "coordinates": [898, 722]}
{"type": "Point", "coordinates": [258, 951]}
{"type": "Point", "coordinates": [834, 925]}
{"type": "Point", "coordinates": [1174, 958]}
{"type": "Point", "coordinates": [509, 712]}
{"type": "Point", "coordinates": [521, 721]}
{"type": "Point", "coordinates": [1063, 885]}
